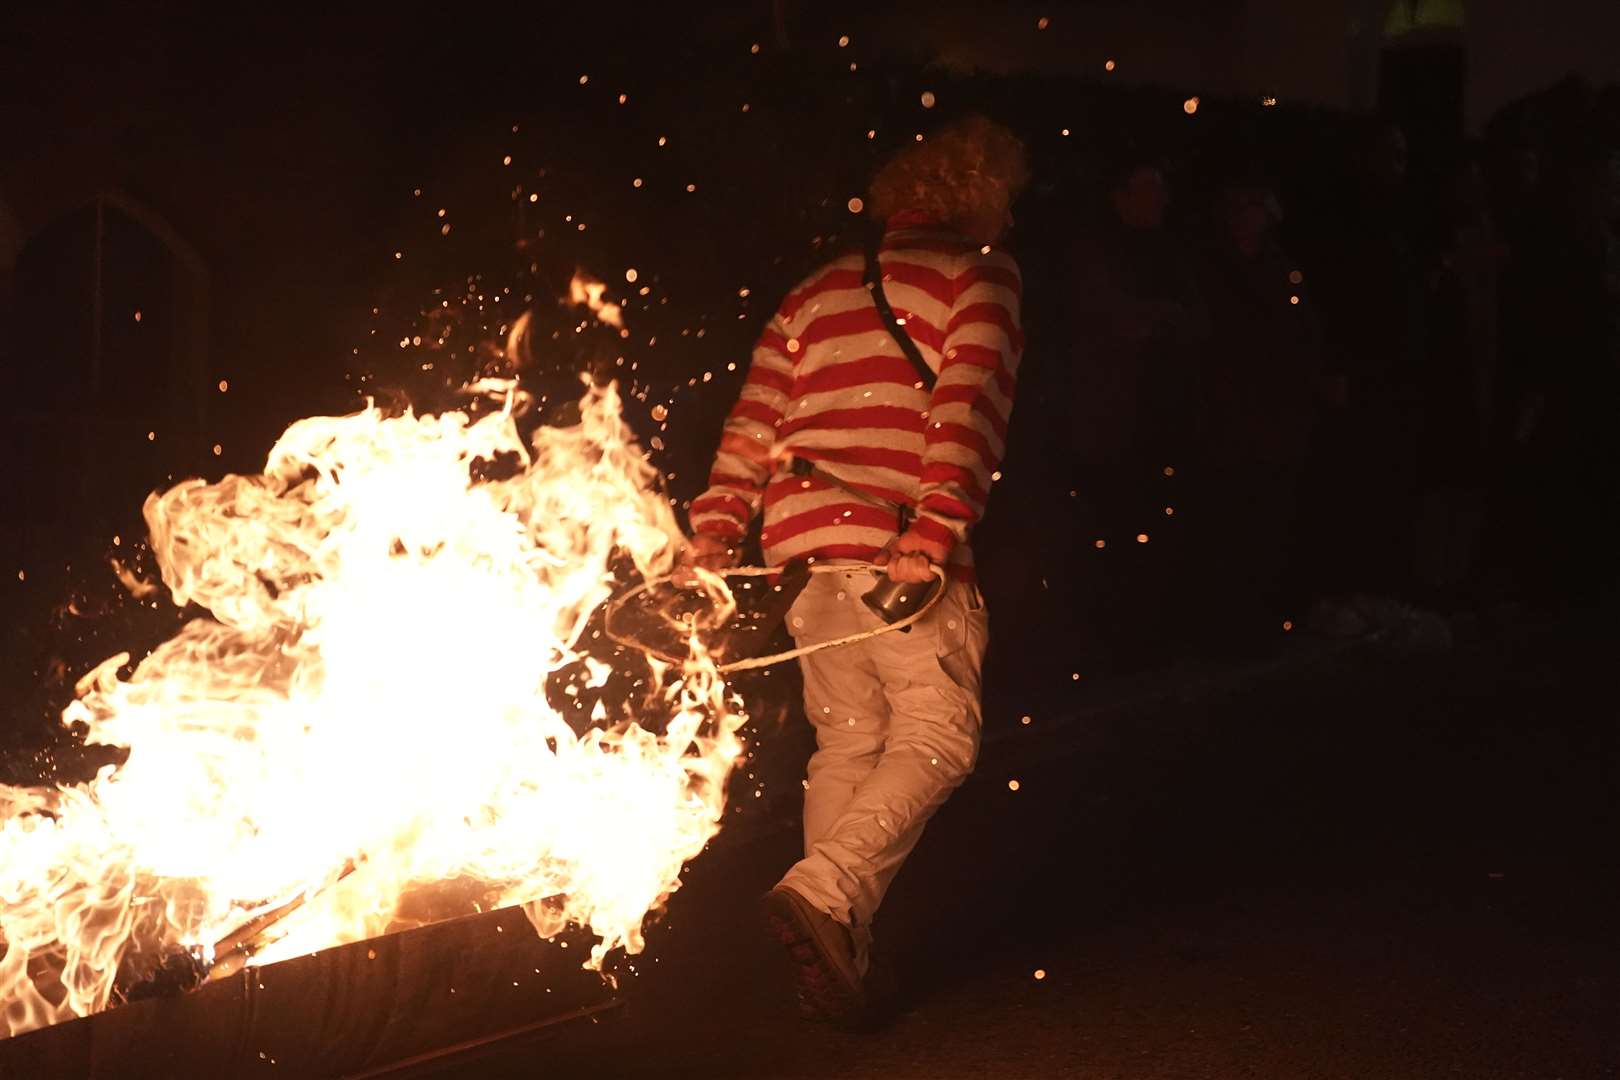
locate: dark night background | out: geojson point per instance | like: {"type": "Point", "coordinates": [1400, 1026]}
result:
{"type": "Point", "coordinates": [1409, 469]}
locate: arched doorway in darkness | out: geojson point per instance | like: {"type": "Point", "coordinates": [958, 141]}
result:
{"type": "Point", "coordinates": [105, 374]}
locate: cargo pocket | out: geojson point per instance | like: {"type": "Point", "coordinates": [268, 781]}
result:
{"type": "Point", "coordinates": [962, 631]}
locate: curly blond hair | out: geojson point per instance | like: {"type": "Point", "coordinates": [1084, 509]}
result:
{"type": "Point", "coordinates": [953, 176]}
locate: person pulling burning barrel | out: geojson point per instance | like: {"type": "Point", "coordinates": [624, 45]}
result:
{"type": "Point", "coordinates": [868, 431]}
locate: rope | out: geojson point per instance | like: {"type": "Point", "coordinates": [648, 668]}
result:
{"type": "Point", "coordinates": [750, 663]}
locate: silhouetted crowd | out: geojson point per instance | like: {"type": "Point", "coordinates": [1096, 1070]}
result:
{"type": "Point", "coordinates": [1288, 369]}
{"type": "Point", "coordinates": [1365, 398]}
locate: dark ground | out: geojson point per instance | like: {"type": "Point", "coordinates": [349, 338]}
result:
{"type": "Point", "coordinates": [1357, 866]}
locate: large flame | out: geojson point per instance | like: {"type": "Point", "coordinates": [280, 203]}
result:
{"type": "Point", "coordinates": [364, 713]}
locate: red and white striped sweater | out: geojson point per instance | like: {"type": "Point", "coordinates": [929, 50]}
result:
{"type": "Point", "coordinates": [828, 383]}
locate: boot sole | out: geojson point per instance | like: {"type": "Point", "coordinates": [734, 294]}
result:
{"type": "Point", "coordinates": [824, 993]}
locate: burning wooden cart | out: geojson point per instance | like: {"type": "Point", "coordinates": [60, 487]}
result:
{"type": "Point", "coordinates": [371, 1008]}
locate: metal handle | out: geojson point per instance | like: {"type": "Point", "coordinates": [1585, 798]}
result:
{"type": "Point", "coordinates": [895, 600]}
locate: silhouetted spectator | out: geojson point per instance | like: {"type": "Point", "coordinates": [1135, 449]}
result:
{"type": "Point", "coordinates": [1261, 380]}
{"type": "Point", "coordinates": [1526, 291]}
{"type": "Point", "coordinates": [1461, 374]}
{"type": "Point", "coordinates": [1364, 477]}
{"type": "Point", "coordinates": [1140, 330]}
{"type": "Point", "coordinates": [1564, 370]}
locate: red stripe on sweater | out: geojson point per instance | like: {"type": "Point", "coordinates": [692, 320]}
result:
{"type": "Point", "coordinates": [824, 328]}
{"type": "Point", "coordinates": [986, 313]}
{"type": "Point", "coordinates": [979, 356]}
{"type": "Point", "coordinates": [795, 300]}
{"type": "Point", "coordinates": [840, 277]}
{"type": "Point", "coordinates": [770, 338]}
{"type": "Point", "coordinates": [868, 370]}
{"type": "Point", "coordinates": [836, 515]}
{"type": "Point", "coordinates": [720, 479]}
{"type": "Point", "coordinates": [881, 417]}
{"type": "Point", "coordinates": [983, 406]}
{"type": "Point", "coordinates": [788, 485]}
{"type": "Point", "coordinates": [756, 410]}
{"type": "Point", "coordinates": [752, 450]}
{"type": "Point", "coordinates": [942, 505]}
{"type": "Point", "coordinates": [727, 527]}
{"type": "Point", "coordinates": [972, 396]}
{"type": "Point", "coordinates": [901, 461]}
{"type": "Point", "coordinates": [961, 435]}
{"type": "Point", "coordinates": [760, 375]}
{"type": "Point", "coordinates": [1006, 384]}
{"type": "Point", "coordinates": [920, 330]}
{"type": "Point", "coordinates": [989, 274]}
{"type": "Point", "coordinates": [944, 474]}
{"type": "Point", "coordinates": [927, 278]}
{"type": "Point", "coordinates": [936, 534]}
{"type": "Point", "coordinates": [989, 361]}
{"type": "Point", "coordinates": [730, 505]}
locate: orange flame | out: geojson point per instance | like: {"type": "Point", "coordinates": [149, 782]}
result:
{"type": "Point", "coordinates": [369, 692]}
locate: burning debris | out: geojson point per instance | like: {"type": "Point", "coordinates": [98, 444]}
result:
{"type": "Point", "coordinates": [137, 587]}
{"type": "Point", "coordinates": [361, 716]}
{"type": "Point", "coordinates": [583, 289]}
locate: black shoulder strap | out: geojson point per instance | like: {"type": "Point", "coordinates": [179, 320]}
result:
{"type": "Point", "coordinates": [874, 284]}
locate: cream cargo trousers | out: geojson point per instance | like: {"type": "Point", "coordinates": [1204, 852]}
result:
{"type": "Point", "coordinates": [897, 722]}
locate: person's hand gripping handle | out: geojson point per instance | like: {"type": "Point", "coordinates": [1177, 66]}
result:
{"type": "Point", "coordinates": [907, 558]}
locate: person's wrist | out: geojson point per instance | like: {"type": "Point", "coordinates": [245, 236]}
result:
{"type": "Point", "coordinates": [921, 541]}
{"type": "Point", "coordinates": [708, 536]}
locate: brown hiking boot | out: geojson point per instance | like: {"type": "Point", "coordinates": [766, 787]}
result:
{"type": "Point", "coordinates": [822, 953]}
